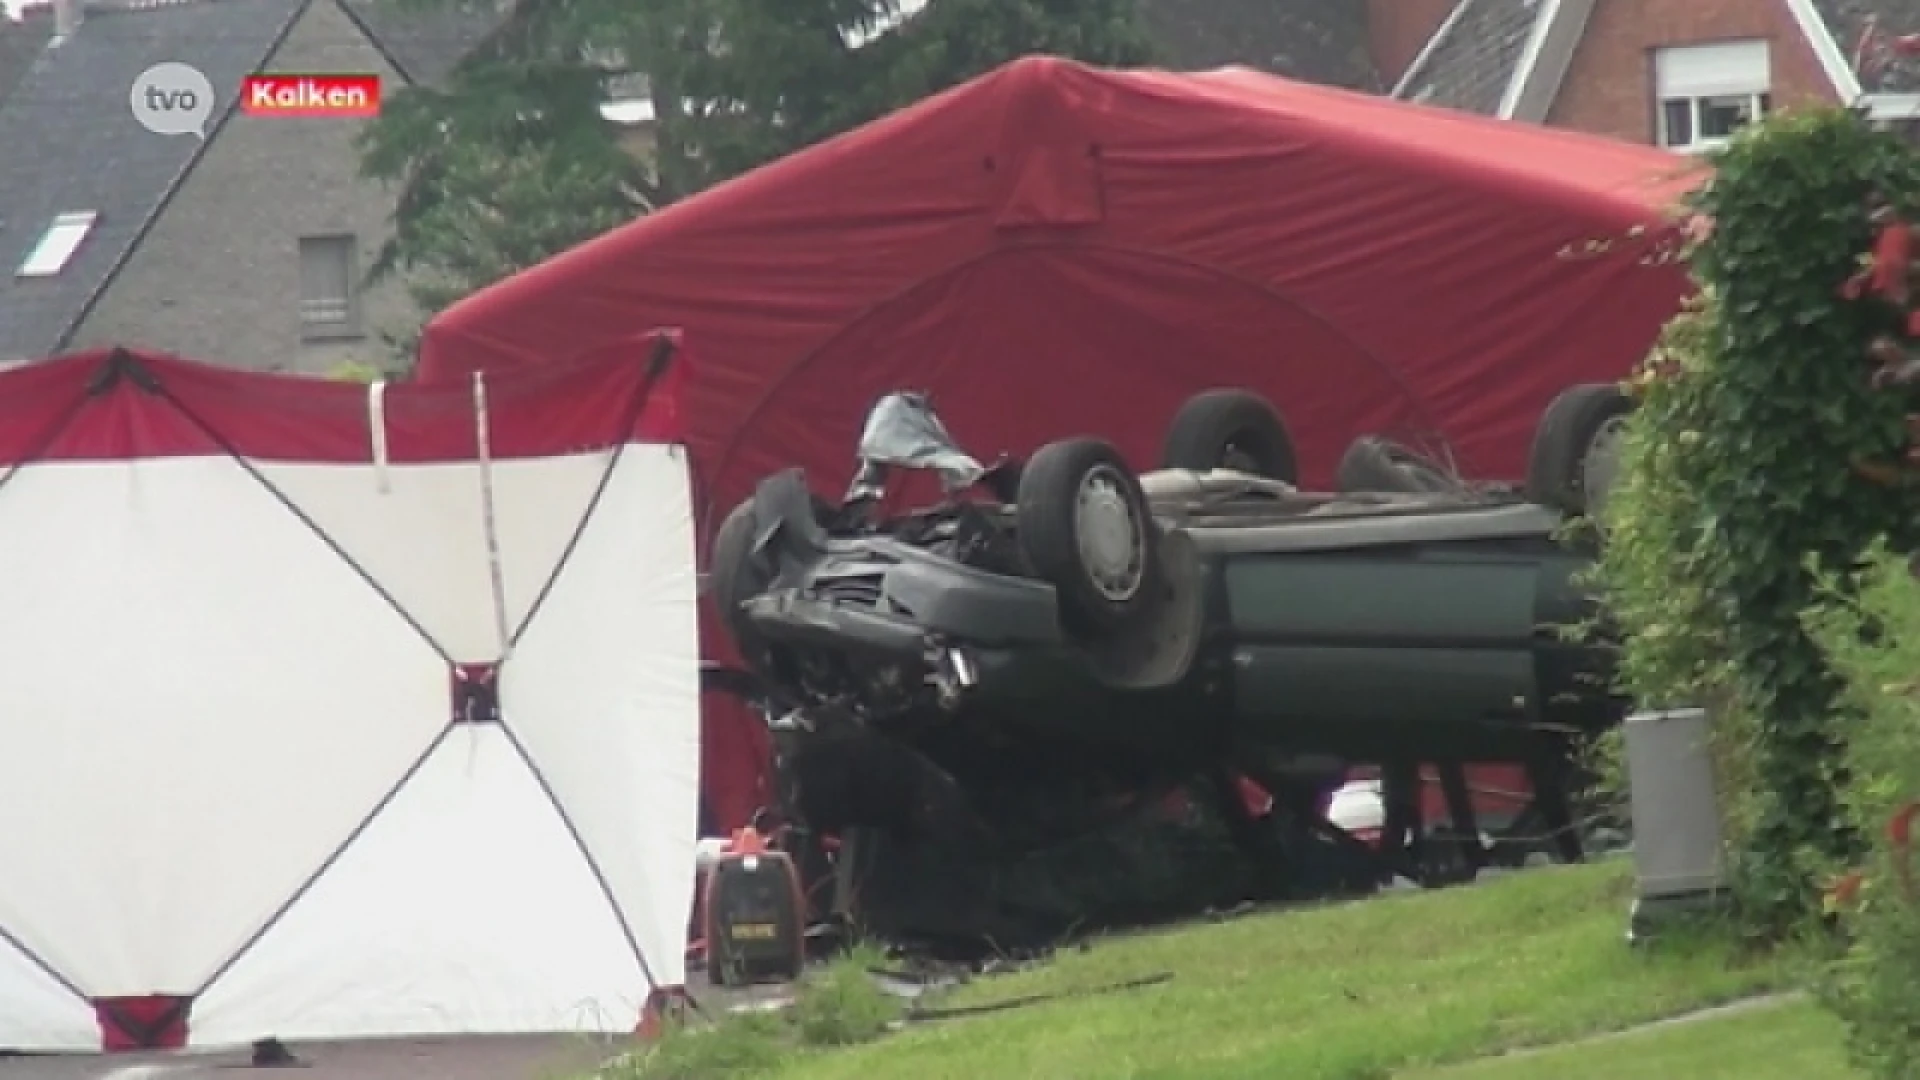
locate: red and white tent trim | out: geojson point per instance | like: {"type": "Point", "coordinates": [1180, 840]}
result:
{"type": "Point", "coordinates": [332, 711]}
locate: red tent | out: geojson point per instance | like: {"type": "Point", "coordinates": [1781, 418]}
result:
{"type": "Point", "coordinates": [1055, 249]}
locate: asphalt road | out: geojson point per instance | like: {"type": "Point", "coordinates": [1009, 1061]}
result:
{"type": "Point", "coordinates": [538, 1057]}
{"type": "Point", "coordinates": [475, 1057]}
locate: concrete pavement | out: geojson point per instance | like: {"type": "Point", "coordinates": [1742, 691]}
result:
{"type": "Point", "coordinates": [510, 1057]}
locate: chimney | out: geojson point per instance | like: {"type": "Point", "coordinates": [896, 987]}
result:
{"type": "Point", "coordinates": [66, 17]}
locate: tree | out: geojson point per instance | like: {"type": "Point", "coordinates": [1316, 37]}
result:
{"type": "Point", "coordinates": [512, 161]}
{"type": "Point", "coordinates": [509, 162]}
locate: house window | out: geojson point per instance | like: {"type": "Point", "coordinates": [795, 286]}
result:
{"type": "Point", "coordinates": [58, 244]}
{"type": "Point", "coordinates": [329, 306]}
{"type": "Point", "coordinates": [1708, 92]}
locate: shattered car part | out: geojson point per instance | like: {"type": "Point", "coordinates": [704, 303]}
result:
{"type": "Point", "coordinates": [902, 430]}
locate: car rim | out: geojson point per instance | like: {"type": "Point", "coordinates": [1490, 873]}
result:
{"type": "Point", "coordinates": [1110, 535]}
{"type": "Point", "coordinates": [1602, 461]}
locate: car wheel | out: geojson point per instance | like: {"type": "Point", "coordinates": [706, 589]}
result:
{"type": "Point", "coordinates": [1085, 528]}
{"type": "Point", "coordinates": [1576, 448]}
{"type": "Point", "coordinates": [1231, 429]}
{"type": "Point", "coordinates": [738, 575]}
{"type": "Point", "coordinates": [1375, 464]}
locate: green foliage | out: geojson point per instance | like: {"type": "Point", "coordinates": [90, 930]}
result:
{"type": "Point", "coordinates": [507, 164]}
{"type": "Point", "coordinates": [512, 161]}
{"type": "Point", "coordinates": [835, 1006]}
{"type": "Point", "coordinates": [739, 1045]}
{"type": "Point", "coordinates": [1655, 522]}
{"type": "Point", "coordinates": [356, 371]}
{"type": "Point", "coordinates": [1871, 631]}
{"type": "Point", "coordinates": [1673, 652]}
{"type": "Point", "coordinates": [1739, 469]}
{"type": "Point", "coordinates": [956, 40]}
{"type": "Point", "coordinates": [841, 1006]}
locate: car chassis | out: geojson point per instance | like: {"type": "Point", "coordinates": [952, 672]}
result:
{"type": "Point", "coordinates": [1062, 618]}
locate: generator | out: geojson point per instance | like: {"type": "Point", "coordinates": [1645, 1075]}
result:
{"type": "Point", "coordinates": [753, 917]}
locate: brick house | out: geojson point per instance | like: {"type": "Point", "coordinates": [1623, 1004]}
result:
{"type": "Point", "coordinates": [247, 247]}
{"type": "Point", "coordinates": [1678, 73]}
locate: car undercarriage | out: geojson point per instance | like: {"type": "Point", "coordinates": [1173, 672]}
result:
{"type": "Point", "coordinates": [1069, 695]}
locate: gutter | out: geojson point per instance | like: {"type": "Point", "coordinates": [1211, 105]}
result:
{"type": "Point", "coordinates": [1890, 105]}
{"type": "Point", "coordinates": [1537, 79]}
{"type": "Point", "coordinates": [1833, 60]}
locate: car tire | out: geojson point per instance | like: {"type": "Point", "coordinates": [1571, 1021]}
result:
{"type": "Point", "coordinates": [1231, 429]}
{"type": "Point", "coordinates": [1575, 447]}
{"type": "Point", "coordinates": [736, 576]}
{"type": "Point", "coordinates": [1376, 464]}
{"type": "Point", "coordinates": [1085, 528]}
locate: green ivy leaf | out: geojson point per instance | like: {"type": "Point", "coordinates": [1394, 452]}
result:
{"type": "Point", "coordinates": [1737, 485]}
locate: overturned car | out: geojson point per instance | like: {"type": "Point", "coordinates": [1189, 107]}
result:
{"type": "Point", "coordinates": [1062, 659]}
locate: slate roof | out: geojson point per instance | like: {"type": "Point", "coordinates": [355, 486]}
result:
{"type": "Point", "coordinates": [21, 42]}
{"type": "Point", "coordinates": [1475, 56]}
{"type": "Point", "coordinates": [1848, 21]}
{"type": "Point", "coordinates": [1322, 41]}
{"type": "Point", "coordinates": [72, 144]}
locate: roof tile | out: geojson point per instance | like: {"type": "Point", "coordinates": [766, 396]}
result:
{"type": "Point", "coordinates": [1475, 56]}
{"type": "Point", "coordinates": [21, 43]}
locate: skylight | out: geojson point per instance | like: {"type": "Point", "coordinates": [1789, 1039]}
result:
{"type": "Point", "coordinates": [57, 246]}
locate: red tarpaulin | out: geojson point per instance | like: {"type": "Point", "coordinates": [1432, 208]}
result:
{"type": "Point", "coordinates": [1055, 249]}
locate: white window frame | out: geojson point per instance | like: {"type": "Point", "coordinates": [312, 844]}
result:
{"type": "Point", "coordinates": [329, 317]}
{"type": "Point", "coordinates": [57, 245]}
{"type": "Point", "coordinates": [1699, 78]}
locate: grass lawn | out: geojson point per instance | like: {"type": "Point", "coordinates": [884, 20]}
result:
{"type": "Point", "coordinates": [1351, 992]}
{"type": "Point", "coordinates": [1789, 1042]}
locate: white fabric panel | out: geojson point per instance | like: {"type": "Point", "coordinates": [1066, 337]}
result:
{"type": "Point", "coordinates": [419, 530]}
{"type": "Point", "coordinates": [214, 699]}
{"type": "Point", "coordinates": [415, 529]}
{"type": "Point", "coordinates": [202, 701]}
{"type": "Point", "coordinates": [604, 693]}
{"type": "Point", "coordinates": [1725, 67]}
{"type": "Point", "coordinates": [464, 908]}
{"type": "Point", "coordinates": [537, 506]}
{"type": "Point", "coordinates": [37, 1014]}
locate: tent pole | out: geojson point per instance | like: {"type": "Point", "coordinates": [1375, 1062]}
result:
{"type": "Point", "coordinates": [483, 437]}
{"type": "Point", "coordinates": [377, 431]}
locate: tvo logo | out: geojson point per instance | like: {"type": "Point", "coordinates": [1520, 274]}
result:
{"type": "Point", "coordinates": [172, 99]}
